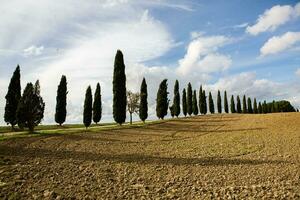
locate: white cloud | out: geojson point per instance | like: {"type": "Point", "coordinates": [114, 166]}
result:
{"type": "Point", "coordinates": [33, 51]}
{"type": "Point", "coordinates": [274, 17]}
{"type": "Point", "coordinates": [202, 55]}
{"type": "Point", "coordinates": [298, 72]}
{"type": "Point", "coordinates": [278, 44]}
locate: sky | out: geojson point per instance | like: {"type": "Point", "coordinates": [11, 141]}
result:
{"type": "Point", "coordinates": [249, 47]}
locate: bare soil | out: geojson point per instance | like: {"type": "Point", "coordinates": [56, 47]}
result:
{"type": "Point", "coordinates": [203, 157]}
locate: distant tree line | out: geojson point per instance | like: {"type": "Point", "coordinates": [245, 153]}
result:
{"type": "Point", "coordinates": [27, 110]}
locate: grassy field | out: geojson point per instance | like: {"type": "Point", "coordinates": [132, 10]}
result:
{"type": "Point", "coordinates": [203, 157]}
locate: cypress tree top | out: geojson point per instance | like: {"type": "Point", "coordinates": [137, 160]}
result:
{"type": "Point", "coordinates": [211, 104]}
{"type": "Point", "coordinates": [97, 106]}
{"type": "Point", "coordinates": [119, 89]}
{"type": "Point", "coordinates": [204, 102]}
{"type": "Point", "coordinates": [244, 105]}
{"type": "Point", "coordinates": [250, 110]}
{"type": "Point", "coordinates": [12, 98]}
{"type": "Point", "coordinates": [88, 107]}
{"type": "Point", "coordinates": [176, 100]}
{"type": "Point", "coordinates": [232, 105]}
{"type": "Point", "coordinates": [219, 102]}
{"type": "Point", "coordinates": [184, 106]}
{"type": "Point", "coordinates": [226, 102]}
{"type": "Point", "coordinates": [143, 109]}
{"type": "Point", "coordinates": [61, 101]}
{"type": "Point", "coordinates": [189, 100]}
{"type": "Point", "coordinates": [201, 102]}
{"type": "Point", "coordinates": [195, 104]}
{"type": "Point", "coordinates": [238, 104]}
{"type": "Point", "coordinates": [162, 102]}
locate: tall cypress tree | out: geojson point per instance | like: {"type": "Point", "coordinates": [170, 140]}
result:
{"type": "Point", "coordinates": [176, 100]}
{"type": "Point", "coordinates": [119, 89]}
{"type": "Point", "coordinates": [12, 98]}
{"type": "Point", "coordinates": [61, 101]}
{"type": "Point", "coordinates": [250, 110]}
{"type": "Point", "coordinates": [264, 107]}
{"type": "Point", "coordinates": [88, 107]}
{"type": "Point", "coordinates": [238, 104]}
{"type": "Point", "coordinates": [244, 104]}
{"type": "Point", "coordinates": [143, 109]}
{"type": "Point", "coordinates": [260, 110]}
{"type": "Point", "coordinates": [226, 102]}
{"type": "Point", "coordinates": [204, 102]}
{"type": "Point", "coordinates": [97, 106]}
{"type": "Point", "coordinates": [201, 100]}
{"type": "Point", "coordinates": [189, 99]}
{"type": "Point", "coordinates": [31, 107]}
{"type": "Point", "coordinates": [219, 102]}
{"type": "Point", "coordinates": [162, 102]}
{"type": "Point", "coordinates": [211, 104]}
{"type": "Point", "coordinates": [255, 110]}
{"type": "Point", "coordinates": [232, 105]}
{"type": "Point", "coordinates": [195, 104]}
{"type": "Point", "coordinates": [184, 106]}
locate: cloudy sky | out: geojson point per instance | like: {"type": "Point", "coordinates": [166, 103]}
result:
{"type": "Point", "coordinates": [247, 47]}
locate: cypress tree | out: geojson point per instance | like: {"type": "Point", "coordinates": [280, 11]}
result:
{"type": "Point", "coordinates": [238, 104]}
{"type": "Point", "coordinates": [250, 110]}
{"type": "Point", "coordinates": [184, 106]}
{"type": "Point", "coordinates": [176, 100]}
{"type": "Point", "coordinates": [201, 106]}
{"type": "Point", "coordinates": [219, 102]}
{"type": "Point", "coordinates": [211, 104]}
{"type": "Point", "coordinates": [232, 105]}
{"type": "Point", "coordinates": [260, 109]}
{"type": "Point", "coordinates": [31, 107]}
{"type": "Point", "coordinates": [273, 107]}
{"type": "Point", "coordinates": [244, 104]}
{"type": "Point", "coordinates": [226, 102]}
{"type": "Point", "coordinates": [143, 109]}
{"type": "Point", "coordinates": [88, 107]}
{"type": "Point", "coordinates": [119, 89]}
{"type": "Point", "coordinates": [195, 104]}
{"type": "Point", "coordinates": [255, 110]}
{"type": "Point", "coordinates": [61, 101]}
{"type": "Point", "coordinates": [189, 99]}
{"type": "Point", "coordinates": [162, 102]}
{"type": "Point", "coordinates": [97, 106]}
{"type": "Point", "coordinates": [171, 108]}
{"type": "Point", "coordinates": [12, 98]}
{"type": "Point", "coordinates": [204, 102]}
{"type": "Point", "coordinates": [264, 107]}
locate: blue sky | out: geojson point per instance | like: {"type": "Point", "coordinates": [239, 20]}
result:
{"type": "Point", "coordinates": [244, 46]}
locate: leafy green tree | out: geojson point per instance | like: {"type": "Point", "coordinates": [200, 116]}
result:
{"type": "Point", "coordinates": [260, 109]}
{"type": "Point", "coordinates": [250, 110]}
{"type": "Point", "coordinates": [133, 103]}
{"type": "Point", "coordinates": [195, 104]}
{"type": "Point", "coordinates": [255, 110]}
{"type": "Point", "coordinates": [189, 99]}
{"type": "Point", "coordinates": [97, 106]}
{"type": "Point", "coordinates": [31, 107]}
{"type": "Point", "coordinates": [211, 104]}
{"type": "Point", "coordinates": [162, 102]}
{"type": "Point", "coordinates": [143, 109]}
{"type": "Point", "coordinates": [244, 105]}
{"type": "Point", "coordinates": [176, 99]}
{"type": "Point", "coordinates": [204, 102]}
{"type": "Point", "coordinates": [232, 105]}
{"type": "Point", "coordinates": [238, 104]}
{"type": "Point", "coordinates": [226, 102]}
{"type": "Point", "coordinates": [184, 106]}
{"type": "Point", "coordinates": [201, 102]}
{"type": "Point", "coordinates": [61, 101]}
{"type": "Point", "coordinates": [88, 107]}
{"type": "Point", "coordinates": [12, 98]}
{"type": "Point", "coordinates": [219, 102]}
{"type": "Point", "coordinates": [119, 89]}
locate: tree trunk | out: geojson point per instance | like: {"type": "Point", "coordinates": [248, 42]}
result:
{"type": "Point", "coordinates": [130, 118]}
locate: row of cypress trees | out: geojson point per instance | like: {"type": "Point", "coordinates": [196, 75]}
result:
{"type": "Point", "coordinates": [28, 110]}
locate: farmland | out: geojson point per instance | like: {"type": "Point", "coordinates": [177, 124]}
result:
{"type": "Point", "coordinates": [202, 157]}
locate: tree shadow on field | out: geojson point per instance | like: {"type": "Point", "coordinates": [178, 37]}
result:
{"type": "Point", "coordinates": [30, 153]}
